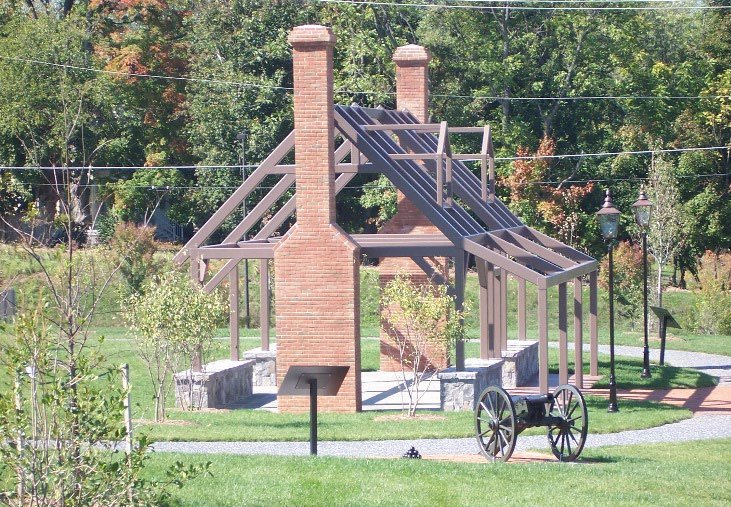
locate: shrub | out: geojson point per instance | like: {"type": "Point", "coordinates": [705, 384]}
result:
{"type": "Point", "coordinates": [418, 318]}
{"type": "Point", "coordinates": [627, 280]}
{"type": "Point", "coordinates": [172, 322]}
{"type": "Point", "coordinates": [713, 306]}
{"type": "Point", "coordinates": [134, 248]}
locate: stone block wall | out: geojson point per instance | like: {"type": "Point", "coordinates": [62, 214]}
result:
{"type": "Point", "coordinates": [219, 384]}
{"type": "Point", "coordinates": [520, 363]}
{"type": "Point", "coordinates": [459, 390]}
{"type": "Point", "coordinates": [265, 365]}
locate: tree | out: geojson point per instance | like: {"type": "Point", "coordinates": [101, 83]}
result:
{"type": "Point", "coordinates": [418, 318]}
{"type": "Point", "coordinates": [172, 322]}
{"type": "Point", "coordinates": [664, 234]}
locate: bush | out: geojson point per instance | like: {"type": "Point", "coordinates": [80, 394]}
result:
{"type": "Point", "coordinates": [712, 313]}
{"type": "Point", "coordinates": [627, 280]}
{"type": "Point", "coordinates": [134, 248]}
{"type": "Point", "coordinates": [172, 321]}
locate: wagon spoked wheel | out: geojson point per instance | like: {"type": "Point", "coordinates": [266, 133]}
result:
{"type": "Point", "coordinates": [495, 424]}
{"type": "Point", "coordinates": [567, 438]}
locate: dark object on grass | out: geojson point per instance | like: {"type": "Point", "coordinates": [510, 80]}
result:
{"type": "Point", "coordinates": [412, 454]}
{"type": "Point", "coordinates": [499, 418]}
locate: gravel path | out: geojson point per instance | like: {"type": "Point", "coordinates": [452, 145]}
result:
{"type": "Point", "coordinates": [698, 428]}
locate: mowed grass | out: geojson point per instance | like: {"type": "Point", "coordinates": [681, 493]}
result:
{"type": "Point", "coordinates": [259, 425]}
{"type": "Point", "coordinates": [697, 473]}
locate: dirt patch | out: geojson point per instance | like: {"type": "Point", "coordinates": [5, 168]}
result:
{"type": "Point", "coordinates": [515, 459]}
{"type": "Point", "coordinates": [405, 417]}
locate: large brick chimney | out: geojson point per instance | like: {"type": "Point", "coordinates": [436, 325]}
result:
{"type": "Point", "coordinates": [317, 263]}
{"type": "Point", "coordinates": [412, 93]}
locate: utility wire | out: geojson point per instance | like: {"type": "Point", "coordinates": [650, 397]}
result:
{"type": "Point", "coordinates": [386, 187]}
{"type": "Point", "coordinates": [360, 3]}
{"type": "Point", "coordinates": [369, 92]}
{"type": "Point", "coordinates": [498, 159]}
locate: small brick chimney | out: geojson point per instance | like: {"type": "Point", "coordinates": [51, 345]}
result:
{"type": "Point", "coordinates": [316, 263]}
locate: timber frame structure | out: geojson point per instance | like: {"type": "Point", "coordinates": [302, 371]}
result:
{"type": "Point", "coordinates": [417, 158]}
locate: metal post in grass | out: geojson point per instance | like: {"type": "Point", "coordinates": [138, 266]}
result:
{"type": "Point", "coordinates": [608, 217]}
{"type": "Point", "coordinates": [642, 209]}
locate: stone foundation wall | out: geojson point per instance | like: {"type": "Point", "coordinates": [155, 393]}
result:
{"type": "Point", "coordinates": [265, 365]}
{"type": "Point", "coordinates": [219, 384]}
{"type": "Point", "coordinates": [460, 389]}
{"type": "Point", "coordinates": [520, 363]}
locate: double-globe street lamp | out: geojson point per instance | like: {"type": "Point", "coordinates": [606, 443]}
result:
{"type": "Point", "coordinates": [608, 217]}
{"type": "Point", "coordinates": [642, 209]}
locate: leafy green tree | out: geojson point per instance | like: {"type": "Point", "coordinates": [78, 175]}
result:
{"type": "Point", "coordinates": [173, 322]}
{"type": "Point", "coordinates": [418, 318]}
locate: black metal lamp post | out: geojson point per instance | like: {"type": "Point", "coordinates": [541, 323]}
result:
{"type": "Point", "coordinates": [241, 136]}
{"type": "Point", "coordinates": [608, 217]}
{"type": "Point", "coordinates": [642, 209]}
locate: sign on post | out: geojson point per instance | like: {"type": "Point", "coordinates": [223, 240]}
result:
{"type": "Point", "coordinates": [666, 321]}
{"type": "Point", "coordinates": [313, 380]}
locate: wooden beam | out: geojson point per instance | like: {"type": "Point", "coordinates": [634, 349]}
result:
{"type": "Point", "coordinates": [578, 335]}
{"type": "Point", "coordinates": [563, 347]}
{"type": "Point", "coordinates": [521, 310]}
{"type": "Point", "coordinates": [542, 341]}
{"type": "Point", "coordinates": [485, 352]}
{"type": "Point", "coordinates": [264, 302]}
{"type": "Point", "coordinates": [233, 316]}
{"type": "Point", "coordinates": [235, 199]}
{"type": "Point", "coordinates": [493, 342]}
{"type": "Point", "coordinates": [504, 308]}
{"type": "Point", "coordinates": [593, 325]}
{"type": "Point", "coordinates": [524, 257]}
{"type": "Point", "coordinates": [485, 253]}
{"type": "Point", "coordinates": [460, 279]}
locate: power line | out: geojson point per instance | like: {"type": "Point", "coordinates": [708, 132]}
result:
{"type": "Point", "coordinates": [387, 187]}
{"type": "Point", "coordinates": [499, 159]}
{"type": "Point", "coordinates": [140, 74]}
{"type": "Point", "coordinates": [370, 92]}
{"type": "Point", "coordinates": [523, 8]}
{"type": "Point", "coordinates": [613, 153]}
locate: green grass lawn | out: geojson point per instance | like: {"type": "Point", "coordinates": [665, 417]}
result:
{"type": "Point", "coordinates": [258, 425]}
{"type": "Point", "coordinates": [656, 474]}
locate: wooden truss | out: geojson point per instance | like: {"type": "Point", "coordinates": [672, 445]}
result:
{"type": "Point", "coordinates": [418, 159]}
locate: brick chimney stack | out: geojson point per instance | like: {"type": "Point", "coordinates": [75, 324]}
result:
{"type": "Point", "coordinates": [316, 263]}
{"type": "Point", "coordinates": [412, 93]}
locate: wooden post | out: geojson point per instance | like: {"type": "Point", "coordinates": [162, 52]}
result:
{"type": "Point", "coordinates": [492, 342]}
{"type": "Point", "coordinates": [485, 351]}
{"type": "Point", "coordinates": [578, 335]}
{"type": "Point", "coordinates": [497, 309]}
{"type": "Point", "coordinates": [593, 326]}
{"type": "Point", "coordinates": [460, 272]}
{"type": "Point", "coordinates": [542, 341]}
{"type": "Point", "coordinates": [504, 309]}
{"type": "Point", "coordinates": [197, 359]}
{"type": "Point", "coordinates": [127, 411]}
{"type": "Point", "coordinates": [521, 310]}
{"type": "Point", "coordinates": [233, 314]}
{"type": "Point", "coordinates": [18, 398]}
{"type": "Point", "coordinates": [563, 346]}
{"type": "Point", "coordinates": [264, 298]}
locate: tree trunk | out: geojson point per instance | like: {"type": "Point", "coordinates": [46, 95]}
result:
{"type": "Point", "coordinates": [659, 284]}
